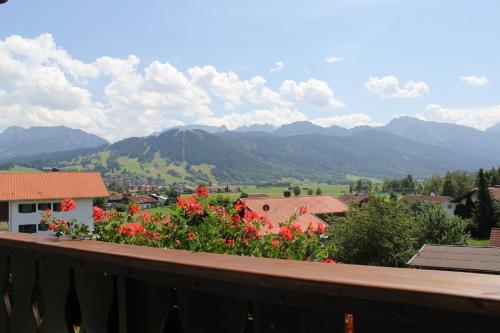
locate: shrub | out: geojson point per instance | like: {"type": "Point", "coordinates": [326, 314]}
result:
{"type": "Point", "coordinates": [213, 224]}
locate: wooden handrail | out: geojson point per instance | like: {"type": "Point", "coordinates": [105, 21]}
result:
{"type": "Point", "coordinates": [394, 295]}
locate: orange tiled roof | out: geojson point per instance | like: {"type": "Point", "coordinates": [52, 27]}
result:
{"type": "Point", "coordinates": [354, 199]}
{"type": "Point", "coordinates": [51, 185]}
{"type": "Point", "coordinates": [280, 209]}
{"type": "Point", "coordinates": [495, 192]}
{"type": "Point", "coordinates": [142, 199]}
{"type": "Point", "coordinates": [428, 198]}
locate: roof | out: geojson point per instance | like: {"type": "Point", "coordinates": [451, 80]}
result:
{"type": "Point", "coordinates": [281, 208]}
{"type": "Point", "coordinates": [494, 191]}
{"type": "Point", "coordinates": [427, 198]}
{"type": "Point", "coordinates": [51, 185]}
{"type": "Point", "coordinates": [115, 196]}
{"type": "Point", "coordinates": [142, 199]}
{"type": "Point", "coordinates": [495, 237]}
{"type": "Point", "coordinates": [458, 258]}
{"type": "Point", "coordinates": [353, 199]}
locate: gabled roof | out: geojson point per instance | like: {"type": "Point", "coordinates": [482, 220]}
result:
{"type": "Point", "coordinates": [353, 199]}
{"type": "Point", "coordinates": [427, 198]}
{"type": "Point", "coordinates": [142, 199]}
{"type": "Point", "coordinates": [458, 258]}
{"type": "Point", "coordinates": [51, 185]}
{"type": "Point", "coordinates": [281, 208]}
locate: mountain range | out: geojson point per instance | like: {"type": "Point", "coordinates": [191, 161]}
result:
{"type": "Point", "coordinates": [262, 153]}
{"type": "Point", "coordinates": [16, 141]}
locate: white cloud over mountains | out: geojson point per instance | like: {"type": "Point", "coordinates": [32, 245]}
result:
{"type": "Point", "coordinates": [475, 80]}
{"type": "Point", "coordinates": [388, 87]}
{"type": "Point", "coordinates": [42, 85]}
{"type": "Point", "coordinates": [480, 117]}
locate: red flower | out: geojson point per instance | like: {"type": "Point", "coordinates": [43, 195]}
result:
{"type": "Point", "coordinates": [98, 214]}
{"type": "Point", "coordinates": [201, 191]}
{"type": "Point", "coordinates": [239, 205]}
{"type": "Point", "coordinates": [229, 242]}
{"type": "Point", "coordinates": [295, 226]}
{"type": "Point", "coordinates": [275, 243]}
{"type": "Point", "coordinates": [321, 228]}
{"type": "Point", "coordinates": [146, 217]}
{"type": "Point", "coordinates": [131, 229]}
{"type": "Point", "coordinates": [190, 236]}
{"type": "Point", "coordinates": [329, 261]}
{"type": "Point", "coordinates": [286, 233]}
{"type": "Point", "coordinates": [302, 210]}
{"type": "Point", "coordinates": [190, 205]}
{"type": "Point", "coordinates": [133, 209]}
{"type": "Point", "coordinates": [67, 205]}
{"type": "Point", "coordinates": [47, 212]}
{"type": "Point", "coordinates": [178, 242]}
{"type": "Point", "coordinates": [251, 216]}
{"type": "Point", "coordinates": [251, 231]}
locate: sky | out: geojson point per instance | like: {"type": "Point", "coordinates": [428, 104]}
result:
{"type": "Point", "coordinates": [129, 68]}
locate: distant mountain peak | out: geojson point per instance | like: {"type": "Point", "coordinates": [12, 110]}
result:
{"type": "Point", "coordinates": [266, 128]}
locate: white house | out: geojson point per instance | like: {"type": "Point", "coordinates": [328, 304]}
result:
{"type": "Point", "coordinates": [446, 202]}
{"type": "Point", "coordinates": [24, 197]}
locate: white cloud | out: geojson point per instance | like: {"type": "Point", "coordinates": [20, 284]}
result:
{"type": "Point", "coordinates": [314, 92]}
{"type": "Point", "coordinates": [480, 117]}
{"type": "Point", "coordinates": [347, 120]}
{"type": "Point", "coordinates": [388, 87]}
{"type": "Point", "coordinates": [41, 84]}
{"type": "Point", "coordinates": [475, 80]}
{"type": "Point", "coordinates": [275, 117]}
{"type": "Point", "coordinates": [333, 60]}
{"type": "Point", "coordinates": [278, 67]}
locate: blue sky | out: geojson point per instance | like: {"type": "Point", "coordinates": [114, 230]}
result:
{"type": "Point", "coordinates": [167, 63]}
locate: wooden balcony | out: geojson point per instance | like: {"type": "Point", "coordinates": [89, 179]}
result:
{"type": "Point", "coordinates": [51, 286]}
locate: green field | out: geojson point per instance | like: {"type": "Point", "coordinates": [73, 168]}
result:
{"type": "Point", "coordinates": [478, 242]}
{"type": "Point", "coordinates": [278, 191]}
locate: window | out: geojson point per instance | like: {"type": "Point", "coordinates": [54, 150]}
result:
{"type": "Point", "coordinates": [44, 206]}
{"type": "Point", "coordinates": [450, 206]}
{"type": "Point", "coordinates": [43, 227]}
{"type": "Point", "coordinates": [27, 208]}
{"type": "Point", "coordinates": [56, 206]}
{"type": "Point", "coordinates": [27, 228]}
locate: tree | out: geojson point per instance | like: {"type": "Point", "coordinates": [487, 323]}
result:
{"type": "Point", "coordinates": [433, 184]}
{"type": "Point", "coordinates": [448, 186]}
{"type": "Point", "coordinates": [318, 191]}
{"type": "Point", "coordinates": [296, 190]}
{"type": "Point", "coordinates": [380, 232]}
{"type": "Point", "coordinates": [434, 226]}
{"type": "Point", "coordinates": [484, 210]}
{"type": "Point", "coordinates": [310, 191]}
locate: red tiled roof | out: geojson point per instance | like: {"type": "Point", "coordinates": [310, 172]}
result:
{"type": "Point", "coordinates": [429, 198]}
{"type": "Point", "coordinates": [280, 209]}
{"type": "Point", "coordinates": [51, 185]}
{"type": "Point", "coordinates": [495, 237]}
{"type": "Point", "coordinates": [495, 193]}
{"type": "Point", "coordinates": [142, 199]}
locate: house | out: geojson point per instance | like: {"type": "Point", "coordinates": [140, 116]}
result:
{"type": "Point", "coordinates": [472, 195]}
{"type": "Point", "coordinates": [495, 237]}
{"type": "Point", "coordinates": [353, 199]}
{"type": "Point", "coordinates": [444, 201]}
{"type": "Point", "coordinates": [115, 198]}
{"type": "Point", "coordinates": [144, 201]}
{"type": "Point", "coordinates": [458, 258]}
{"type": "Point", "coordinates": [25, 196]}
{"type": "Point", "coordinates": [279, 209]}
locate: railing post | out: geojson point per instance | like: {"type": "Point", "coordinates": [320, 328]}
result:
{"type": "Point", "coordinates": [4, 282]}
{"type": "Point", "coordinates": [96, 292]}
{"type": "Point", "coordinates": [24, 281]}
{"type": "Point", "coordinates": [55, 285]}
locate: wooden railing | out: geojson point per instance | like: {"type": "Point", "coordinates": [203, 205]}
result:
{"type": "Point", "coordinates": [54, 286]}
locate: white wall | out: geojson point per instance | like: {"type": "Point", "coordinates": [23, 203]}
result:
{"type": "Point", "coordinates": [450, 211]}
{"type": "Point", "coordinates": [83, 213]}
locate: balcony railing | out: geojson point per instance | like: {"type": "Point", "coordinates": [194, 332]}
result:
{"type": "Point", "coordinates": [54, 286]}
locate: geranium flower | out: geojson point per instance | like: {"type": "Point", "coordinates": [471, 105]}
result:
{"type": "Point", "coordinates": [131, 229]}
{"type": "Point", "coordinates": [202, 192]}
{"type": "Point", "coordinates": [133, 209]}
{"type": "Point", "coordinates": [286, 233]}
{"type": "Point", "coordinates": [190, 236]}
{"type": "Point", "coordinates": [329, 261]}
{"type": "Point", "coordinates": [302, 210]}
{"type": "Point", "coordinates": [240, 205]}
{"type": "Point", "coordinates": [97, 214]}
{"type": "Point", "coordinates": [67, 205]}
{"type": "Point", "coordinates": [275, 243]}
{"type": "Point", "coordinates": [190, 205]}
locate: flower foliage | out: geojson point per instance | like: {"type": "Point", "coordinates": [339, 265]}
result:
{"type": "Point", "coordinates": [202, 223]}
{"type": "Point", "coordinates": [63, 227]}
